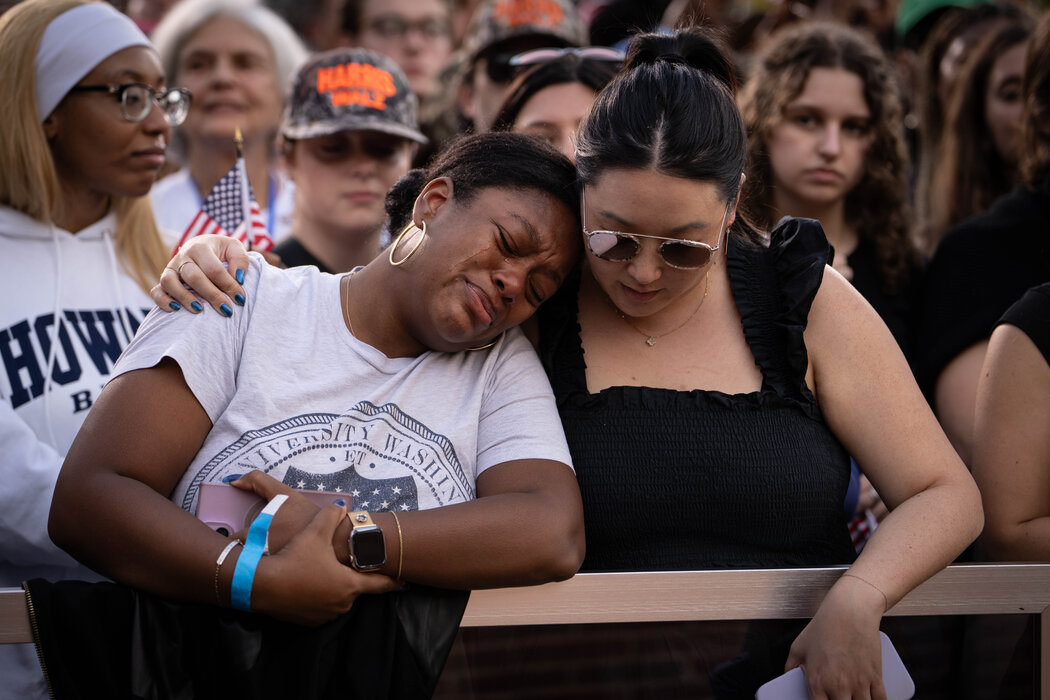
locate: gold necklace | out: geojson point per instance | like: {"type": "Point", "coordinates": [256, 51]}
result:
{"type": "Point", "coordinates": [650, 339]}
{"type": "Point", "coordinates": [346, 305]}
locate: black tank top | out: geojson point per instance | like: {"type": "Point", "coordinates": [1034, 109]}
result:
{"type": "Point", "coordinates": [1032, 315]}
{"type": "Point", "coordinates": [678, 480]}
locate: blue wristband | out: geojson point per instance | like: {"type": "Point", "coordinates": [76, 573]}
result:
{"type": "Point", "coordinates": [255, 546]}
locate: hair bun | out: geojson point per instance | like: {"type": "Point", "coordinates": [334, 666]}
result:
{"type": "Point", "coordinates": [697, 47]}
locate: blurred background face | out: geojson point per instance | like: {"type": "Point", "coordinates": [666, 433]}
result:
{"type": "Point", "coordinates": [342, 179]}
{"type": "Point", "coordinates": [817, 150]}
{"type": "Point", "coordinates": [554, 113]}
{"type": "Point", "coordinates": [232, 73]}
{"type": "Point", "coordinates": [1002, 102]}
{"type": "Point", "coordinates": [492, 78]}
{"type": "Point", "coordinates": [417, 34]}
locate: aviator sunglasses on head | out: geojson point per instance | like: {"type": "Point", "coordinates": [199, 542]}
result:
{"type": "Point", "coordinates": [502, 67]}
{"type": "Point", "coordinates": [590, 53]}
{"type": "Point", "coordinates": [616, 246]}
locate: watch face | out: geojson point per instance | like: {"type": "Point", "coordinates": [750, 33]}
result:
{"type": "Point", "coordinates": [368, 547]}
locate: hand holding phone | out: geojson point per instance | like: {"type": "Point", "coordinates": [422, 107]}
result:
{"type": "Point", "coordinates": [228, 509]}
{"type": "Point", "coordinates": [895, 678]}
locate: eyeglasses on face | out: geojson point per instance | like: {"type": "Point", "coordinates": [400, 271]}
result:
{"type": "Point", "coordinates": [396, 27]}
{"type": "Point", "coordinates": [616, 246]}
{"type": "Point", "coordinates": [137, 100]}
{"type": "Point", "coordinates": [588, 53]}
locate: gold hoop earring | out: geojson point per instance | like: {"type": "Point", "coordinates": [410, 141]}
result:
{"type": "Point", "coordinates": [400, 236]}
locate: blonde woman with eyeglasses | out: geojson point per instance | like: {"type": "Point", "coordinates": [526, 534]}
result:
{"type": "Point", "coordinates": [87, 119]}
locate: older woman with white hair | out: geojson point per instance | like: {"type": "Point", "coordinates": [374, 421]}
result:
{"type": "Point", "coordinates": [237, 57]}
{"type": "Point", "coordinates": [87, 117]}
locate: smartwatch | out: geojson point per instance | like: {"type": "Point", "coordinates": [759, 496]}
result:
{"type": "Point", "coordinates": [366, 544]}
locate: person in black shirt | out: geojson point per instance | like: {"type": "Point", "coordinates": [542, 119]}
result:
{"type": "Point", "coordinates": [986, 263]}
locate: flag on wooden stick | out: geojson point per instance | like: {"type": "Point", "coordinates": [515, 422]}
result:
{"type": "Point", "coordinates": [230, 209]}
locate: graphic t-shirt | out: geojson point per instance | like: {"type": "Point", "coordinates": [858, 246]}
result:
{"type": "Point", "coordinates": [290, 392]}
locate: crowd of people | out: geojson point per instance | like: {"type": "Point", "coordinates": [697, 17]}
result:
{"type": "Point", "coordinates": [556, 286]}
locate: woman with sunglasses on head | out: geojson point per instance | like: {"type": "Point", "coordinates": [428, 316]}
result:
{"type": "Point", "coordinates": [713, 380]}
{"type": "Point", "coordinates": [555, 92]}
{"type": "Point", "coordinates": [88, 118]}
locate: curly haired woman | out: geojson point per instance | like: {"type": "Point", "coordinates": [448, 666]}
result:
{"type": "Point", "coordinates": [826, 141]}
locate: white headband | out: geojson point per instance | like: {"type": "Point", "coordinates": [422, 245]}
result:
{"type": "Point", "coordinates": [74, 43]}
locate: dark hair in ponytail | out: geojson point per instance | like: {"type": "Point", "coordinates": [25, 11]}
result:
{"type": "Point", "coordinates": [672, 109]}
{"type": "Point", "coordinates": [495, 159]}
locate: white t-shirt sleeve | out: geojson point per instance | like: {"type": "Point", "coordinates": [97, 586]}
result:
{"type": "Point", "coordinates": [519, 418]}
{"type": "Point", "coordinates": [206, 346]}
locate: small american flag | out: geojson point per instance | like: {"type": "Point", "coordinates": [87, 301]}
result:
{"type": "Point", "coordinates": [861, 528]}
{"type": "Point", "coordinates": [223, 212]}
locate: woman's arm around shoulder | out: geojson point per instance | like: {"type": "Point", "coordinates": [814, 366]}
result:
{"type": "Point", "coordinates": [212, 267]}
{"type": "Point", "coordinates": [1012, 455]}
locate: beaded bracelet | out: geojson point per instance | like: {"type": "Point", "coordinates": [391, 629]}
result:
{"type": "Point", "coordinates": [255, 546]}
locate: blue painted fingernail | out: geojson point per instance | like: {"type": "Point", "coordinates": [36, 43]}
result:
{"type": "Point", "coordinates": [226, 310]}
{"type": "Point", "coordinates": [239, 298]}
{"type": "Point", "coordinates": [174, 305]}
{"type": "Point", "coordinates": [240, 276]}
{"type": "Point", "coordinates": [339, 502]}
{"type": "Point", "coordinates": [197, 306]}
{"type": "Point", "coordinates": [231, 477]}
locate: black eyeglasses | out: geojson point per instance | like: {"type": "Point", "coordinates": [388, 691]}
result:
{"type": "Point", "coordinates": [589, 53]}
{"type": "Point", "coordinates": [137, 99]}
{"type": "Point", "coordinates": [616, 246]}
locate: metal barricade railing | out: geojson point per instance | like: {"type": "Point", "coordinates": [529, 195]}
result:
{"type": "Point", "coordinates": [965, 589]}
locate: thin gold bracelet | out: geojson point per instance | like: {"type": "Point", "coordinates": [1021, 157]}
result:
{"type": "Point", "coordinates": [864, 580]}
{"type": "Point", "coordinates": [218, 565]}
{"type": "Point", "coordinates": [400, 546]}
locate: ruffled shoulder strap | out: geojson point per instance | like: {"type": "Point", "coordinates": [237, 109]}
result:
{"type": "Point", "coordinates": [774, 287]}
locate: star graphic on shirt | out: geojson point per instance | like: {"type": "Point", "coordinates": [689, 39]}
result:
{"type": "Point", "coordinates": [404, 506]}
{"type": "Point", "coordinates": [384, 505]}
{"type": "Point", "coordinates": [375, 492]}
{"type": "Point", "coordinates": [355, 493]}
{"type": "Point", "coordinates": [338, 489]}
{"type": "Point", "coordinates": [397, 489]}
{"type": "Point", "coordinates": [364, 506]}
{"type": "Point", "coordinates": [301, 484]}
{"type": "Point", "coordinates": [320, 487]}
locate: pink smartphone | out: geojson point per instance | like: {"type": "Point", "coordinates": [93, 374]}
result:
{"type": "Point", "coordinates": [227, 509]}
{"type": "Point", "coordinates": [896, 679]}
